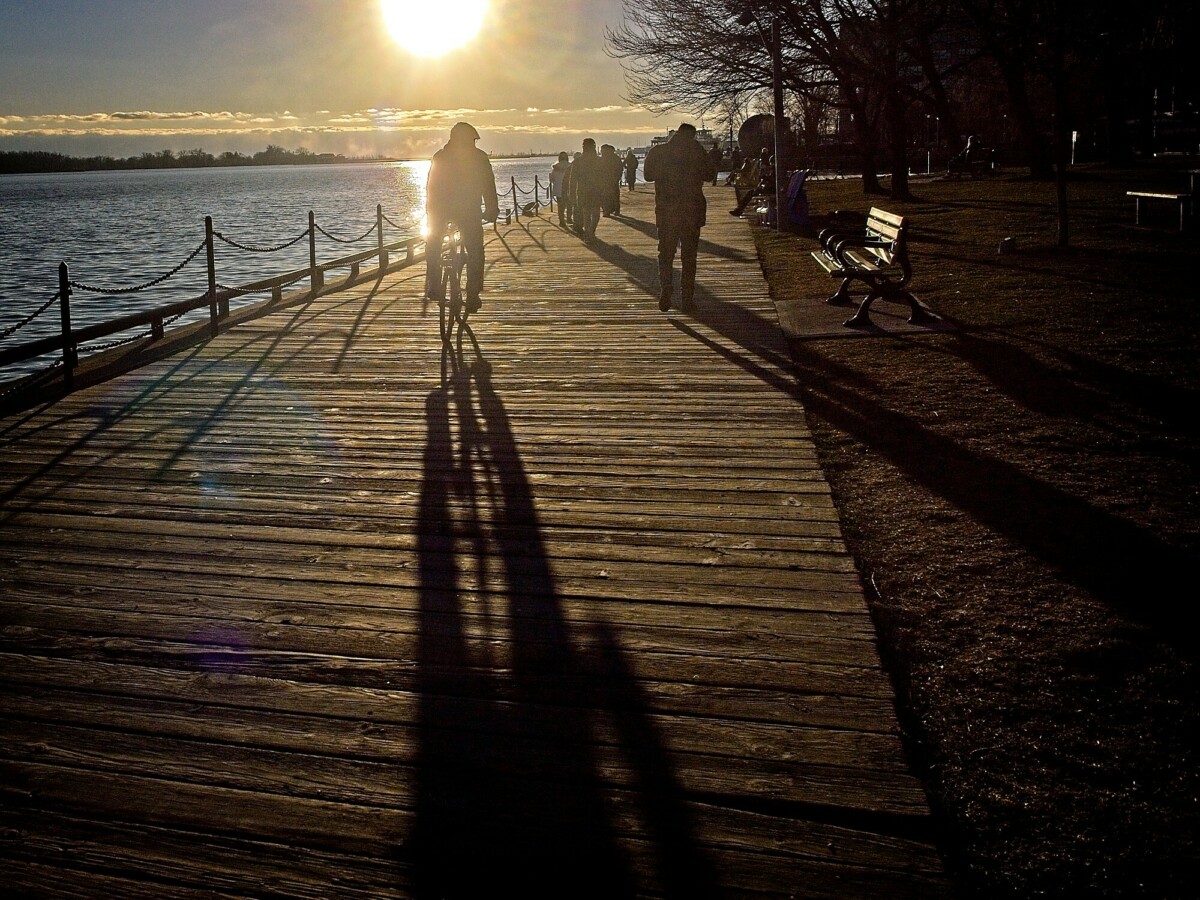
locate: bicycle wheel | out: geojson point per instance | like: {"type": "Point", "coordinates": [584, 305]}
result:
{"type": "Point", "coordinates": [458, 289]}
{"type": "Point", "coordinates": [447, 285]}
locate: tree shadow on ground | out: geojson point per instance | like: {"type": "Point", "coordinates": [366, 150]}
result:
{"type": "Point", "coordinates": [760, 337]}
{"type": "Point", "coordinates": [1121, 564]}
{"type": "Point", "coordinates": [705, 246]}
{"type": "Point", "coordinates": [510, 796]}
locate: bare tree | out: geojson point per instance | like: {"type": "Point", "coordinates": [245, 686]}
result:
{"type": "Point", "coordinates": [682, 54]}
{"type": "Point", "coordinates": [858, 55]}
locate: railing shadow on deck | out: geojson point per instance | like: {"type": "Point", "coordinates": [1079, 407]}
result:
{"type": "Point", "coordinates": [760, 337]}
{"type": "Point", "coordinates": [510, 794]}
{"type": "Point", "coordinates": [706, 246]}
{"type": "Point", "coordinates": [247, 385]}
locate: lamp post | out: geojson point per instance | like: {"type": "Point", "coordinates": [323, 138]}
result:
{"type": "Point", "coordinates": [772, 44]}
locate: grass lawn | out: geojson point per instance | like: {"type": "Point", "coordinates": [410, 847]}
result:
{"type": "Point", "coordinates": [1021, 494]}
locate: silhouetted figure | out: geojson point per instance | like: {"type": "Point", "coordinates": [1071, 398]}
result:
{"type": "Point", "coordinates": [569, 190]}
{"type": "Point", "coordinates": [613, 167]}
{"type": "Point", "coordinates": [558, 175]}
{"type": "Point", "coordinates": [679, 169]}
{"type": "Point", "coordinates": [631, 167]}
{"type": "Point", "coordinates": [588, 181]}
{"type": "Point", "coordinates": [461, 189]}
{"type": "Point", "coordinates": [735, 165]}
{"type": "Point", "coordinates": [745, 184]}
{"type": "Point", "coordinates": [717, 157]}
{"type": "Point", "coordinates": [753, 180]}
{"type": "Point", "coordinates": [973, 154]}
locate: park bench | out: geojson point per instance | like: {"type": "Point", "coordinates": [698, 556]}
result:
{"type": "Point", "coordinates": [974, 162]}
{"type": "Point", "coordinates": [972, 168]}
{"type": "Point", "coordinates": [875, 253]}
{"type": "Point", "coordinates": [1184, 201]}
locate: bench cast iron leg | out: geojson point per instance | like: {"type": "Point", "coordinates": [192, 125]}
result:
{"type": "Point", "coordinates": [918, 316]}
{"type": "Point", "coordinates": [841, 297]}
{"type": "Point", "coordinates": [862, 318]}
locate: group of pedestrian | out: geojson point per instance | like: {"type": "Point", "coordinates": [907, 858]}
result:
{"type": "Point", "coordinates": [462, 184]}
{"type": "Point", "coordinates": [588, 186]}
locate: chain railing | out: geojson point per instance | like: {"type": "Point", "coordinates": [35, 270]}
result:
{"type": "Point", "coordinates": [72, 340]}
{"type": "Point", "coordinates": [534, 206]}
{"type": "Point", "coordinates": [145, 285]}
{"type": "Point", "coordinates": [13, 329]}
{"type": "Point", "coordinates": [357, 240]}
{"type": "Point", "coordinates": [250, 248]}
{"type": "Point", "coordinates": [151, 323]}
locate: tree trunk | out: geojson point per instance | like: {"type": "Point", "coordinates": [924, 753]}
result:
{"type": "Point", "coordinates": [867, 141]}
{"type": "Point", "coordinates": [937, 90]}
{"type": "Point", "coordinates": [899, 145]}
{"type": "Point", "coordinates": [1062, 144]}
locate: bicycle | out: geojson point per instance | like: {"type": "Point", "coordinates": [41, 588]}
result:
{"type": "Point", "coordinates": [451, 278]}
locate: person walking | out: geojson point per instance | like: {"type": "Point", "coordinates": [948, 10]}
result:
{"type": "Point", "coordinates": [569, 191]}
{"type": "Point", "coordinates": [717, 158]}
{"type": "Point", "coordinates": [587, 188]}
{"type": "Point", "coordinates": [558, 174]}
{"type": "Point", "coordinates": [611, 202]}
{"type": "Point", "coordinates": [461, 189]}
{"type": "Point", "coordinates": [631, 167]}
{"type": "Point", "coordinates": [679, 169]}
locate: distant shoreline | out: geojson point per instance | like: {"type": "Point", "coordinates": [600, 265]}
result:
{"type": "Point", "coordinates": [38, 162]}
{"type": "Point", "coordinates": [35, 162]}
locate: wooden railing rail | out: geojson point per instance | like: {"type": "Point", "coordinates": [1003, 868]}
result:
{"type": "Point", "coordinates": [69, 338]}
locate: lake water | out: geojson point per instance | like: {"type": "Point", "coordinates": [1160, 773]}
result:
{"type": "Point", "coordinates": [115, 229]}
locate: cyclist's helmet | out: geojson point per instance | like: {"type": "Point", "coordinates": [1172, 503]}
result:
{"type": "Point", "coordinates": [464, 131]}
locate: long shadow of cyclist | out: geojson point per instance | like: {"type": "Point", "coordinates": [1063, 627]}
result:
{"type": "Point", "coordinates": [508, 795]}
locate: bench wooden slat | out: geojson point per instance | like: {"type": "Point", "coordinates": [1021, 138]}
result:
{"type": "Point", "coordinates": [890, 232]}
{"type": "Point", "coordinates": [884, 216]}
{"type": "Point", "coordinates": [828, 264]}
{"type": "Point", "coordinates": [1155, 196]}
{"type": "Point", "coordinates": [885, 254]}
{"type": "Point", "coordinates": [861, 262]}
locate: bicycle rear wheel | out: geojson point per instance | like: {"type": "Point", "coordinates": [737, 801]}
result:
{"type": "Point", "coordinates": [452, 295]}
{"type": "Point", "coordinates": [457, 278]}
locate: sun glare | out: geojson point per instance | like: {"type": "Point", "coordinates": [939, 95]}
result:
{"type": "Point", "coordinates": [433, 27]}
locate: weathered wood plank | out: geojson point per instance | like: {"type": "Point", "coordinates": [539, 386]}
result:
{"type": "Point", "coordinates": [612, 545]}
{"type": "Point", "coordinates": [348, 645]}
{"type": "Point", "coordinates": [535, 716]}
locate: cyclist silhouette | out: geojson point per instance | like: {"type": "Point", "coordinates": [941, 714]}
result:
{"type": "Point", "coordinates": [461, 184]}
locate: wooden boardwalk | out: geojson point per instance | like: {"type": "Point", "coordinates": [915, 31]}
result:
{"type": "Point", "coordinates": [322, 608]}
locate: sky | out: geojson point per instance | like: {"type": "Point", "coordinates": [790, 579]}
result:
{"type": "Point", "coordinates": [124, 77]}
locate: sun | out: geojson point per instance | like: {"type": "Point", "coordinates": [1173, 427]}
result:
{"type": "Point", "coordinates": [433, 27]}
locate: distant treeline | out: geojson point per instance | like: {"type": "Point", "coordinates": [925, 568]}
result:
{"type": "Point", "coordinates": [26, 161]}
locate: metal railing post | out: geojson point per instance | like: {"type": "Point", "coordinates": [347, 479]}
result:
{"type": "Point", "coordinates": [70, 356]}
{"type": "Point", "coordinates": [213, 312]}
{"type": "Point", "coordinates": [383, 255]}
{"type": "Point", "coordinates": [516, 206]}
{"type": "Point", "coordinates": [537, 196]}
{"type": "Point", "coordinates": [315, 279]}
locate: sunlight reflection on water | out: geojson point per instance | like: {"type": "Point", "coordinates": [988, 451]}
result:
{"type": "Point", "coordinates": [115, 229]}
